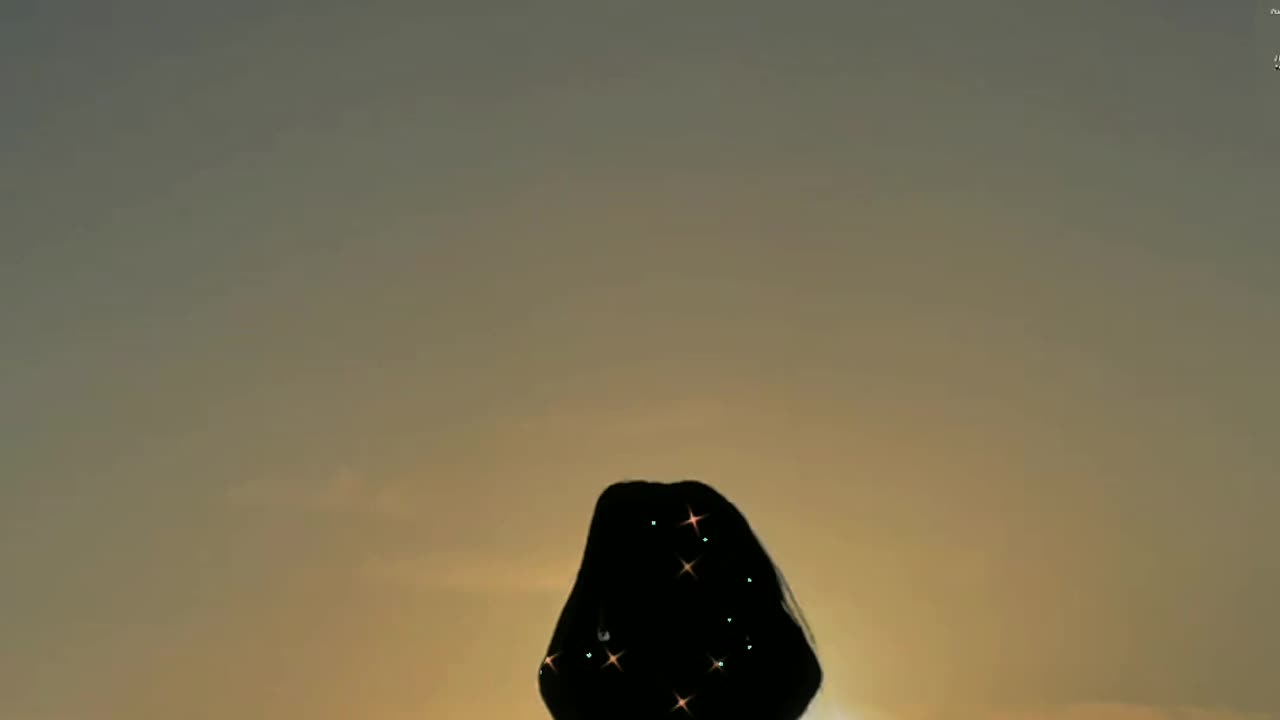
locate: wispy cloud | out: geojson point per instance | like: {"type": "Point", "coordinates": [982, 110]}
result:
{"type": "Point", "coordinates": [531, 709]}
{"type": "Point", "coordinates": [474, 571]}
{"type": "Point", "coordinates": [1084, 711]}
{"type": "Point", "coordinates": [343, 491]}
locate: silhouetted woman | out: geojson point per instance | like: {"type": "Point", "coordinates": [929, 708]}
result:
{"type": "Point", "coordinates": [677, 611]}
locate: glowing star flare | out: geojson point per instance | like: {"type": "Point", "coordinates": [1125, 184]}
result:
{"type": "Point", "coordinates": [682, 703]}
{"type": "Point", "coordinates": [613, 660]}
{"type": "Point", "coordinates": [687, 567]}
{"type": "Point", "coordinates": [693, 520]}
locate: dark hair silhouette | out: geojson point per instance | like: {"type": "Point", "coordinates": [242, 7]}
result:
{"type": "Point", "coordinates": [677, 608]}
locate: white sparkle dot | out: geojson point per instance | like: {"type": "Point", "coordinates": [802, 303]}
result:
{"type": "Point", "coordinates": [653, 522]}
{"type": "Point", "coordinates": [748, 647]}
{"type": "Point", "coordinates": [588, 654]}
{"type": "Point", "coordinates": [721, 664]}
{"type": "Point", "coordinates": [730, 620]}
{"type": "Point", "coordinates": [704, 539]}
{"type": "Point", "coordinates": [748, 579]}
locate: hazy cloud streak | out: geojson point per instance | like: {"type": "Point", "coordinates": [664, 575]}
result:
{"type": "Point", "coordinates": [473, 571]}
{"type": "Point", "coordinates": [346, 491]}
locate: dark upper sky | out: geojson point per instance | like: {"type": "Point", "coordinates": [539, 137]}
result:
{"type": "Point", "coordinates": [322, 325]}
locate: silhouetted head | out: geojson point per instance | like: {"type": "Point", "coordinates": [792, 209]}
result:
{"type": "Point", "coordinates": [677, 611]}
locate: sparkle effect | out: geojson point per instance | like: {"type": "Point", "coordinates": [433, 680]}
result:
{"type": "Point", "coordinates": [613, 659]}
{"type": "Point", "coordinates": [693, 520]}
{"type": "Point", "coordinates": [712, 633]}
{"type": "Point", "coordinates": [682, 703]}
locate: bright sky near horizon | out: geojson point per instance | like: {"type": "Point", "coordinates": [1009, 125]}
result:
{"type": "Point", "coordinates": [323, 324]}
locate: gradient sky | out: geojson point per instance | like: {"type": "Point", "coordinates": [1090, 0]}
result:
{"type": "Point", "coordinates": [323, 325]}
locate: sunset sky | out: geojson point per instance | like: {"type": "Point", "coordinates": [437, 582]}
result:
{"type": "Point", "coordinates": [323, 324]}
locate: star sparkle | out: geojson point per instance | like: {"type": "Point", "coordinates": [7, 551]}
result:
{"type": "Point", "coordinates": [682, 703]}
{"type": "Point", "coordinates": [550, 661]}
{"type": "Point", "coordinates": [717, 664]}
{"type": "Point", "coordinates": [693, 520]}
{"type": "Point", "coordinates": [613, 659]}
{"type": "Point", "coordinates": [687, 567]}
